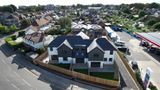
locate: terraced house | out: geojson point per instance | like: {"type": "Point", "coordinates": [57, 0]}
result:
{"type": "Point", "coordinates": [75, 49]}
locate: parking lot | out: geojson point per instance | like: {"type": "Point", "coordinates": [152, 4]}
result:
{"type": "Point", "coordinates": [143, 58]}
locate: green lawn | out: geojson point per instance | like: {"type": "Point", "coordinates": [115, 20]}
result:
{"type": "Point", "coordinates": [65, 66]}
{"type": "Point", "coordinates": [84, 71]}
{"type": "Point", "coordinates": [105, 75]}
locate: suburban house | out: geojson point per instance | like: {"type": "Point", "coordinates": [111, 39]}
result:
{"type": "Point", "coordinates": [9, 19]}
{"type": "Point", "coordinates": [92, 30]}
{"type": "Point", "coordinates": [31, 29]}
{"type": "Point", "coordinates": [42, 24]}
{"type": "Point", "coordinates": [35, 40]}
{"type": "Point", "coordinates": [75, 49]}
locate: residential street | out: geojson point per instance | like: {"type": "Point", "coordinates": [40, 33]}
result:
{"type": "Point", "coordinates": [17, 74]}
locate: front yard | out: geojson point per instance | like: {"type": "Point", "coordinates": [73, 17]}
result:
{"type": "Point", "coordinates": [65, 66]}
{"type": "Point", "coordinates": [104, 75]}
{"type": "Point", "coordinates": [84, 71]}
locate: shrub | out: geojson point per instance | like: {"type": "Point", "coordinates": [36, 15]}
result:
{"type": "Point", "coordinates": [21, 33]}
{"type": "Point", "coordinates": [157, 26]}
{"type": "Point", "coordinates": [151, 22]}
{"type": "Point", "coordinates": [152, 87]}
{"type": "Point", "coordinates": [10, 41]}
{"type": "Point", "coordinates": [138, 77]}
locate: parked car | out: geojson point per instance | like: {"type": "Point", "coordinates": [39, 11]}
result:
{"type": "Point", "coordinates": [120, 43]}
{"type": "Point", "coordinates": [134, 65]}
{"type": "Point", "coordinates": [144, 44]}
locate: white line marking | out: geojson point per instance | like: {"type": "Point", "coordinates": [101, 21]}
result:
{"type": "Point", "coordinates": [3, 61]}
{"type": "Point", "coordinates": [15, 86]}
{"type": "Point", "coordinates": [17, 74]}
{"type": "Point", "coordinates": [26, 82]}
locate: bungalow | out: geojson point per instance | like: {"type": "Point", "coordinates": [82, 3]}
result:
{"type": "Point", "coordinates": [75, 49]}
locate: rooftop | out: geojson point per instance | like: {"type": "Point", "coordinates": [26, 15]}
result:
{"type": "Point", "coordinates": [152, 37]}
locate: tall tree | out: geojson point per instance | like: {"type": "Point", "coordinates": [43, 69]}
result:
{"type": "Point", "coordinates": [13, 7]}
{"type": "Point", "coordinates": [65, 22]}
{"type": "Point", "coordinates": [25, 23]}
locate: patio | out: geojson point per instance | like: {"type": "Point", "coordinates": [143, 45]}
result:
{"type": "Point", "coordinates": [106, 68]}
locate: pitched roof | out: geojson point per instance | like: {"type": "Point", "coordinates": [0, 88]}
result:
{"type": "Point", "coordinates": [35, 37]}
{"type": "Point", "coordinates": [34, 28]}
{"type": "Point", "coordinates": [105, 44]}
{"type": "Point", "coordinates": [40, 22]}
{"type": "Point", "coordinates": [83, 35]}
{"type": "Point", "coordinates": [48, 18]}
{"type": "Point", "coordinates": [72, 41]}
{"type": "Point", "coordinates": [67, 44]}
{"type": "Point", "coordinates": [93, 45]}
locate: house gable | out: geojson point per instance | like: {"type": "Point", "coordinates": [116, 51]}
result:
{"type": "Point", "coordinates": [96, 54]}
{"type": "Point", "coordinates": [64, 51]}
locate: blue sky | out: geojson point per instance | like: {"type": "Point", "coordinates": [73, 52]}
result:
{"type": "Point", "coordinates": [70, 2]}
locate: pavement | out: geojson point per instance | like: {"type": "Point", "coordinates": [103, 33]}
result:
{"type": "Point", "coordinates": [17, 73]}
{"type": "Point", "coordinates": [127, 78]}
{"type": "Point", "coordinates": [143, 58]}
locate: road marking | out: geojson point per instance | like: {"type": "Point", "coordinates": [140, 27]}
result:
{"type": "Point", "coordinates": [31, 72]}
{"type": "Point", "coordinates": [26, 82]}
{"type": "Point", "coordinates": [22, 79]}
{"type": "Point", "coordinates": [15, 86]}
{"type": "Point", "coordinates": [17, 74]}
{"type": "Point", "coordinates": [3, 61]}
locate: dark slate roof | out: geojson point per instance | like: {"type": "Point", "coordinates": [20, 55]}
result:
{"type": "Point", "coordinates": [73, 40]}
{"type": "Point", "coordinates": [77, 40]}
{"type": "Point", "coordinates": [105, 44]}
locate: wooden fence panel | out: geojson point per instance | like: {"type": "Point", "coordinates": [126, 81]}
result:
{"type": "Point", "coordinates": [78, 75]}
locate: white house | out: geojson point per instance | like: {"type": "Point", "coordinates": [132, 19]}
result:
{"type": "Point", "coordinates": [75, 49]}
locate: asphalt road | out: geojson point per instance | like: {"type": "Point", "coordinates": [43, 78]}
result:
{"type": "Point", "coordinates": [16, 73]}
{"type": "Point", "coordinates": [13, 77]}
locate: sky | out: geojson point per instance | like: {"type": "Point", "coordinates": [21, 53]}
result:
{"type": "Point", "coordinates": [71, 2]}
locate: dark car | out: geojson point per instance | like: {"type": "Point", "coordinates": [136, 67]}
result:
{"type": "Point", "coordinates": [134, 65]}
{"type": "Point", "coordinates": [120, 43]}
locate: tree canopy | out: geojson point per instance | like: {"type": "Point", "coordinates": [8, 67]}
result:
{"type": "Point", "coordinates": [65, 22]}
{"type": "Point", "coordinates": [8, 8]}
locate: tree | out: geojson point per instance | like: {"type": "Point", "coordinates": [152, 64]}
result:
{"type": "Point", "coordinates": [127, 10]}
{"type": "Point", "coordinates": [151, 22]}
{"type": "Point", "coordinates": [13, 7]}
{"type": "Point", "coordinates": [153, 5]}
{"type": "Point", "coordinates": [25, 23]}
{"type": "Point", "coordinates": [157, 26]}
{"type": "Point", "coordinates": [7, 9]}
{"type": "Point", "coordinates": [65, 22]}
{"type": "Point", "coordinates": [142, 13]}
{"type": "Point", "coordinates": [13, 28]}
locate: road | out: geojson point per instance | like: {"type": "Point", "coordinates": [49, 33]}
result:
{"type": "Point", "coordinates": [16, 73]}
{"type": "Point", "coordinates": [13, 77]}
{"type": "Point", "coordinates": [142, 57]}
